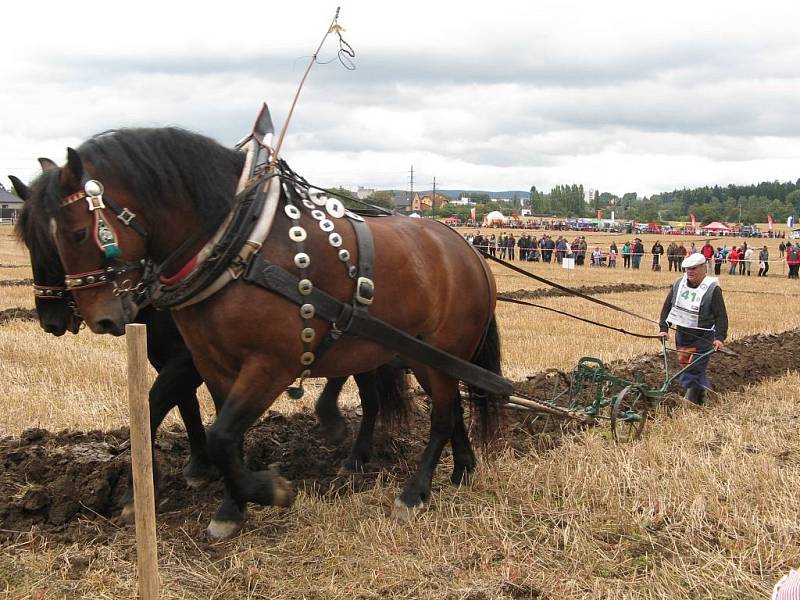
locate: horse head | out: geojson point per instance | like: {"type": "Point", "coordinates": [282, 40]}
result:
{"type": "Point", "coordinates": [54, 304]}
{"type": "Point", "coordinates": [101, 256]}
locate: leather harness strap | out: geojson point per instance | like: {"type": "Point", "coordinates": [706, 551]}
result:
{"type": "Point", "coordinates": [349, 321]}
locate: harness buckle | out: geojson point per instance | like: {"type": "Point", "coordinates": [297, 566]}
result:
{"type": "Point", "coordinates": [365, 290]}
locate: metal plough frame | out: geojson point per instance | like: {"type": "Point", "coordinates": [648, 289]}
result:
{"type": "Point", "coordinates": [594, 394]}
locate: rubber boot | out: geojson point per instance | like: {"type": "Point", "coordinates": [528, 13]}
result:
{"type": "Point", "coordinates": [693, 395]}
{"type": "Point", "coordinates": [701, 396]}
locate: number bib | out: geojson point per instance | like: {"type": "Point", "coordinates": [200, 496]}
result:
{"type": "Point", "coordinates": [686, 302]}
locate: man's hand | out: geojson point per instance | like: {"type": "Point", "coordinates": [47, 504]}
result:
{"type": "Point", "coordinates": [663, 334]}
{"type": "Point", "coordinates": [718, 345]}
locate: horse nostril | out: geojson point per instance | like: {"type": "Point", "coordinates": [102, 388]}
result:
{"type": "Point", "coordinates": [105, 326]}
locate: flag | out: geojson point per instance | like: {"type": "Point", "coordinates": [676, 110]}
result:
{"type": "Point", "coordinates": [472, 215]}
{"type": "Point", "coordinates": [769, 222]}
{"type": "Point", "coordinates": [694, 222]}
{"type": "Point", "coordinates": [790, 222]}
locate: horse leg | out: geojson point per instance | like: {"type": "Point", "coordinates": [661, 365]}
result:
{"type": "Point", "coordinates": [370, 405]}
{"type": "Point", "coordinates": [331, 422]}
{"type": "Point", "coordinates": [463, 456]}
{"type": "Point", "coordinates": [199, 471]}
{"type": "Point", "coordinates": [247, 400]}
{"type": "Point", "coordinates": [160, 404]}
{"type": "Point", "coordinates": [444, 391]}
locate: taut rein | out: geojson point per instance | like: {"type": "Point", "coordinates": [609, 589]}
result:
{"type": "Point", "coordinates": [105, 237]}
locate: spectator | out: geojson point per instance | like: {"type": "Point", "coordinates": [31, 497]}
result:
{"type": "Point", "coordinates": [657, 250]}
{"type": "Point", "coordinates": [626, 255]}
{"type": "Point", "coordinates": [792, 260]}
{"type": "Point", "coordinates": [781, 249]}
{"type": "Point", "coordinates": [708, 252]}
{"type": "Point", "coordinates": [612, 256]}
{"type": "Point", "coordinates": [681, 254]}
{"type": "Point", "coordinates": [763, 264]}
{"type": "Point", "coordinates": [637, 251]}
{"type": "Point", "coordinates": [672, 256]}
{"type": "Point", "coordinates": [717, 261]}
{"type": "Point", "coordinates": [742, 251]}
{"type": "Point", "coordinates": [748, 260]}
{"type": "Point", "coordinates": [597, 257]}
{"type": "Point", "coordinates": [733, 258]}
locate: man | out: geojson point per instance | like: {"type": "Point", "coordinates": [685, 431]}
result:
{"type": "Point", "coordinates": [637, 251]}
{"type": "Point", "coordinates": [708, 252]}
{"type": "Point", "coordinates": [657, 250]}
{"type": "Point", "coordinates": [695, 306]}
{"type": "Point", "coordinates": [672, 255]}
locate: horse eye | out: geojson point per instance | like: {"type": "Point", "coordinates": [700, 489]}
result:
{"type": "Point", "coordinates": [79, 235]}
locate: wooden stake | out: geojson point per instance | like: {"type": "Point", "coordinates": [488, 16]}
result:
{"type": "Point", "coordinates": [142, 462]}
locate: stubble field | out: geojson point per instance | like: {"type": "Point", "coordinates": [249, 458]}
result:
{"type": "Point", "coordinates": [705, 505]}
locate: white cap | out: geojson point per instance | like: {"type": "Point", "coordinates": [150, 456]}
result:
{"type": "Point", "coordinates": [693, 260]}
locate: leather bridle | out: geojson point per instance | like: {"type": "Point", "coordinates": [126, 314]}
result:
{"type": "Point", "coordinates": [105, 237]}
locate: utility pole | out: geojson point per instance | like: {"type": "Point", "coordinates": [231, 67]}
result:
{"type": "Point", "coordinates": [411, 185]}
{"type": "Point", "coordinates": [433, 200]}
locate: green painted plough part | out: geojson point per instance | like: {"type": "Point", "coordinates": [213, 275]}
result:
{"type": "Point", "coordinates": [591, 393]}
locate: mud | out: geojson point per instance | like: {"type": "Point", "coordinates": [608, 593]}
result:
{"type": "Point", "coordinates": [588, 290]}
{"type": "Point", "coordinates": [53, 481]}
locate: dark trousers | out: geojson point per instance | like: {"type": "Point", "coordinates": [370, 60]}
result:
{"type": "Point", "coordinates": [626, 260]}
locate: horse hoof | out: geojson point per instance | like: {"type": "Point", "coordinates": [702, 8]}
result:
{"type": "Point", "coordinates": [403, 513]}
{"type": "Point", "coordinates": [282, 492]}
{"type": "Point", "coordinates": [222, 530]}
{"type": "Point", "coordinates": [197, 483]}
{"type": "Point", "coordinates": [128, 514]}
{"type": "Point", "coordinates": [350, 467]}
{"type": "Point", "coordinates": [335, 432]}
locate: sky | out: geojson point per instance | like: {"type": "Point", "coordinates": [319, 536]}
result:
{"type": "Point", "coordinates": [618, 96]}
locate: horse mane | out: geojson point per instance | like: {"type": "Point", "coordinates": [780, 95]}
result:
{"type": "Point", "coordinates": [165, 165]}
{"type": "Point", "coordinates": [33, 228]}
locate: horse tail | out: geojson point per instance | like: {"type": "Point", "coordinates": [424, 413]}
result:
{"type": "Point", "coordinates": [395, 401]}
{"type": "Point", "coordinates": [487, 413]}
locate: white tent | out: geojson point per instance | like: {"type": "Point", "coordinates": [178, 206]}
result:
{"type": "Point", "coordinates": [494, 218]}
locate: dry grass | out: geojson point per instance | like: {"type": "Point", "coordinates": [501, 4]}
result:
{"type": "Point", "coordinates": [704, 506]}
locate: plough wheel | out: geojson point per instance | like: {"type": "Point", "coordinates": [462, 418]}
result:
{"type": "Point", "coordinates": [629, 414]}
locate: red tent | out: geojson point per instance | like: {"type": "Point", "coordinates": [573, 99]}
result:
{"type": "Point", "coordinates": [716, 226]}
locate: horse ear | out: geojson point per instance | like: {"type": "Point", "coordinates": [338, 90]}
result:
{"type": "Point", "coordinates": [19, 187]}
{"type": "Point", "coordinates": [47, 164]}
{"type": "Point", "coordinates": [72, 173]}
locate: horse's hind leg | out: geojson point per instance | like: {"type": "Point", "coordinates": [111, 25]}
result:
{"type": "Point", "coordinates": [331, 421]}
{"type": "Point", "coordinates": [370, 405]}
{"type": "Point", "coordinates": [463, 456]}
{"type": "Point", "coordinates": [444, 391]}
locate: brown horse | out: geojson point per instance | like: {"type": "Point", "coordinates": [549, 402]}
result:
{"type": "Point", "coordinates": [161, 194]}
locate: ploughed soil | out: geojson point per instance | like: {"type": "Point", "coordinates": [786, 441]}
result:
{"type": "Point", "coordinates": [16, 313]}
{"type": "Point", "coordinates": [53, 480]}
{"type": "Point", "coordinates": [13, 282]}
{"type": "Point", "coordinates": [588, 290]}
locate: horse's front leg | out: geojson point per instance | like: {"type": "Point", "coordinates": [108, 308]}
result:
{"type": "Point", "coordinates": [175, 384]}
{"type": "Point", "coordinates": [249, 397]}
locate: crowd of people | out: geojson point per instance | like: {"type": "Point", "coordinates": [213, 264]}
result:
{"type": "Point", "coordinates": [739, 259]}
